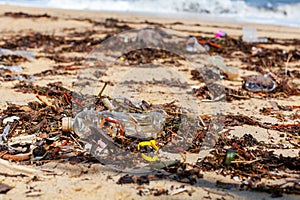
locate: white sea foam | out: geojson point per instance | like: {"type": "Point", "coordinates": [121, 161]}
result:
{"type": "Point", "coordinates": [286, 14]}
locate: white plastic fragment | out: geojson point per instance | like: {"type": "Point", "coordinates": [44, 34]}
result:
{"type": "Point", "coordinates": [245, 182]}
{"type": "Point", "coordinates": [193, 46]}
{"type": "Point", "coordinates": [26, 54]}
{"type": "Point", "coordinates": [177, 191]}
{"type": "Point", "coordinates": [22, 78]}
{"type": "Point", "coordinates": [5, 132]}
{"type": "Point", "coordinates": [88, 147]}
{"type": "Point", "coordinates": [12, 68]}
{"type": "Point", "coordinates": [10, 119]}
{"type": "Point", "coordinates": [250, 35]}
{"type": "Point", "coordinates": [236, 178]}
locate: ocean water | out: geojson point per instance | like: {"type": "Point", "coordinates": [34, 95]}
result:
{"type": "Point", "coordinates": [282, 12]}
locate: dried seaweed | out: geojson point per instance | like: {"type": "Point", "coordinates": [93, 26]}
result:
{"type": "Point", "coordinates": [26, 15]}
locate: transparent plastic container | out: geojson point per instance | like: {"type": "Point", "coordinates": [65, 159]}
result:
{"type": "Point", "coordinates": [250, 35]}
{"type": "Point", "coordinates": [138, 125]}
{"type": "Point", "coordinates": [260, 83]}
{"type": "Point", "coordinates": [193, 46]}
{"type": "Point", "coordinates": [230, 72]}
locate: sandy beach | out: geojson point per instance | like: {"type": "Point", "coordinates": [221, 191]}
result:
{"type": "Point", "coordinates": [63, 40]}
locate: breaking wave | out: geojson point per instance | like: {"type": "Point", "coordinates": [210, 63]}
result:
{"type": "Point", "coordinates": [284, 12]}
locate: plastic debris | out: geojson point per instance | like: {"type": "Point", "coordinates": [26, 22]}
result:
{"type": "Point", "coordinates": [230, 156]}
{"type": "Point", "coordinates": [29, 78]}
{"type": "Point", "coordinates": [152, 144]}
{"type": "Point", "coordinates": [12, 68]}
{"type": "Point", "coordinates": [26, 54]}
{"type": "Point", "coordinates": [193, 46]}
{"type": "Point", "coordinates": [5, 132]}
{"type": "Point", "coordinates": [220, 34]}
{"type": "Point", "coordinates": [237, 179]}
{"type": "Point", "coordinates": [139, 125]}
{"type": "Point", "coordinates": [250, 35]}
{"type": "Point", "coordinates": [177, 190]}
{"type": "Point", "coordinates": [149, 38]}
{"type": "Point", "coordinates": [230, 72]}
{"type": "Point", "coordinates": [259, 83]}
{"type": "Point", "coordinates": [10, 119]}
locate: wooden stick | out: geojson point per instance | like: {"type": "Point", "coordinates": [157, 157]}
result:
{"type": "Point", "coordinates": [20, 169]}
{"type": "Point", "coordinates": [287, 62]}
{"type": "Point", "coordinates": [245, 161]}
{"type": "Point", "coordinates": [17, 157]}
{"type": "Point", "coordinates": [103, 88]}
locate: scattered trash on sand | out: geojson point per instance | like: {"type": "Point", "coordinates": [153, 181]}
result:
{"type": "Point", "coordinates": [132, 133]}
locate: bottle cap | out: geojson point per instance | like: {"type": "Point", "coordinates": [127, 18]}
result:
{"type": "Point", "coordinates": [66, 124]}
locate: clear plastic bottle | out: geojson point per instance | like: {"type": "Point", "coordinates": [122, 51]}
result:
{"type": "Point", "coordinates": [250, 35]}
{"type": "Point", "coordinates": [193, 46]}
{"type": "Point", "coordinates": [139, 125]}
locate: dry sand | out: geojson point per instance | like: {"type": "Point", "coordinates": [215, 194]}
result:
{"type": "Point", "coordinates": [99, 182]}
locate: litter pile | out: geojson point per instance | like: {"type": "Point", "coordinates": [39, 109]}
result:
{"type": "Point", "coordinates": [126, 133]}
{"type": "Point", "coordinates": [32, 133]}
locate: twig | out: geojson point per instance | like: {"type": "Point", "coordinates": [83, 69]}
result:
{"type": "Point", "coordinates": [285, 125]}
{"type": "Point", "coordinates": [245, 161]}
{"type": "Point", "coordinates": [75, 140]}
{"type": "Point", "coordinates": [47, 102]}
{"type": "Point", "coordinates": [103, 88]}
{"type": "Point", "coordinates": [218, 193]}
{"type": "Point", "coordinates": [201, 120]}
{"type": "Point", "coordinates": [17, 157]}
{"type": "Point", "coordinates": [287, 63]}
{"type": "Point", "coordinates": [20, 169]}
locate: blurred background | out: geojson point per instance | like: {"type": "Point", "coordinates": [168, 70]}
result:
{"type": "Point", "coordinates": [282, 12]}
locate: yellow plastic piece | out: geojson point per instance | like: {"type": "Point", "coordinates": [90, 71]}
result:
{"type": "Point", "coordinates": [151, 143]}
{"type": "Point", "coordinates": [149, 158]}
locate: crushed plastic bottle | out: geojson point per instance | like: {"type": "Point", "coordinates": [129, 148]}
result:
{"type": "Point", "coordinates": [193, 46]}
{"type": "Point", "coordinates": [149, 38]}
{"type": "Point", "coordinates": [230, 72]}
{"type": "Point", "coordinates": [260, 83]}
{"type": "Point", "coordinates": [250, 35]}
{"type": "Point", "coordinates": [138, 125]}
